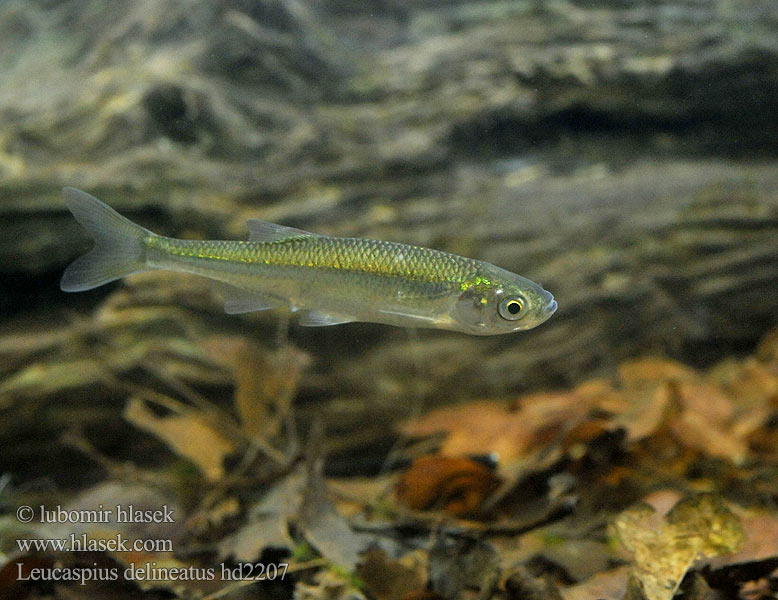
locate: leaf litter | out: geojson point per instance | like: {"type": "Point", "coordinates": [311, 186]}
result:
{"type": "Point", "coordinates": [659, 482]}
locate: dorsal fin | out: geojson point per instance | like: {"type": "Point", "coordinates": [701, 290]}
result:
{"type": "Point", "coordinates": [262, 231]}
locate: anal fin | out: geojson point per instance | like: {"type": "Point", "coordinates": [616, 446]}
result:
{"type": "Point", "coordinates": [316, 318]}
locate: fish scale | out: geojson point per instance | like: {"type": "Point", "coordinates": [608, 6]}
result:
{"type": "Point", "coordinates": [328, 280]}
{"type": "Point", "coordinates": [357, 255]}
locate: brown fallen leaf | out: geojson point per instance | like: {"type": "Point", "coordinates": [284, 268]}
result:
{"type": "Point", "coordinates": [491, 428]}
{"type": "Point", "coordinates": [475, 428]}
{"type": "Point", "coordinates": [458, 486]}
{"type": "Point", "coordinates": [701, 415]}
{"type": "Point", "coordinates": [423, 595]}
{"type": "Point", "coordinates": [607, 585]}
{"type": "Point", "coordinates": [354, 495]}
{"type": "Point", "coordinates": [646, 411]}
{"type": "Point", "coordinates": [192, 435]}
{"type": "Point", "coordinates": [522, 583]}
{"type": "Point", "coordinates": [42, 380]}
{"type": "Point", "coordinates": [751, 383]}
{"type": "Point", "coordinates": [387, 579]}
{"type": "Point", "coordinates": [265, 381]}
{"type": "Point", "coordinates": [665, 547]}
{"type": "Point", "coordinates": [576, 440]}
{"type": "Point", "coordinates": [707, 400]}
{"type": "Point", "coordinates": [694, 431]}
{"type": "Point", "coordinates": [602, 394]}
{"type": "Point", "coordinates": [761, 539]}
{"type": "Point", "coordinates": [636, 373]}
{"type": "Point", "coordinates": [760, 589]}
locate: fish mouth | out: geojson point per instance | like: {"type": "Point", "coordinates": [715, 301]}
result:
{"type": "Point", "coordinates": [546, 312]}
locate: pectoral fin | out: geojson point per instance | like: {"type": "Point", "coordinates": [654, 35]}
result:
{"type": "Point", "coordinates": [410, 316]}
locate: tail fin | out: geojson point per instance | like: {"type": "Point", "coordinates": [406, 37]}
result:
{"type": "Point", "coordinates": [118, 247]}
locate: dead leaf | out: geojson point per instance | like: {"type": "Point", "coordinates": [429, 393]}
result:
{"type": "Point", "coordinates": [387, 579]}
{"type": "Point", "coordinates": [265, 381]}
{"type": "Point", "coordinates": [761, 539]}
{"type": "Point", "coordinates": [646, 411]}
{"type": "Point", "coordinates": [475, 428]}
{"type": "Point", "coordinates": [523, 584]}
{"type": "Point", "coordinates": [663, 500]}
{"type": "Point", "coordinates": [707, 400]}
{"type": "Point", "coordinates": [222, 511]}
{"type": "Point", "coordinates": [607, 585]}
{"type": "Point", "coordinates": [458, 486]}
{"type": "Point", "coordinates": [192, 436]}
{"type": "Point", "coordinates": [489, 428]}
{"type": "Point", "coordinates": [601, 393]}
{"type": "Point", "coordinates": [41, 380]}
{"type": "Point", "coordinates": [459, 564]}
{"type": "Point", "coordinates": [268, 521]}
{"type": "Point", "coordinates": [423, 595]}
{"type": "Point", "coordinates": [328, 585]}
{"type": "Point", "coordinates": [761, 589]}
{"type": "Point", "coordinates": [578, 438]}
{"type": "Point", "coordinates": [693, 430]}
{"type": "Point", "coordinates": [326, 529]}
{"type": "Point", "coordinates": [579, 558]}
{"type": "Point", "coordinates": [353, 495]}
{"type": "Point", "coordinates": [664, 548]}
{"type": "Point", "coordinates": [637, 373]}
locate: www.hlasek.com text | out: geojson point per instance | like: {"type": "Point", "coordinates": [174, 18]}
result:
{"type": "Point", "coordinates": [84, 543]}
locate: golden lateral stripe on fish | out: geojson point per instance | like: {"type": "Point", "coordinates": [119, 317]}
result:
{"type": "Point", "coordinates": [319, 252]}
{"type": "Point", "coordinates": [327, 280]}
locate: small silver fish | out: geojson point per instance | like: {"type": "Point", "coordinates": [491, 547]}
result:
{"type": "Point", "coordinates": [327, 280]}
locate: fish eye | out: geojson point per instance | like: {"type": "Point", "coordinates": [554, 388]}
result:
{"type": "Point", "coordinates": [513, 309]}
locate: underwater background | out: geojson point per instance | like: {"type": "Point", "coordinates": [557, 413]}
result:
{"type": "Point", "coordinates": [623, 153]}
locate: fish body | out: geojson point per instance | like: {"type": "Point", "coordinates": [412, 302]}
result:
{"type": "Point", "coordinates": [327, 280]}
